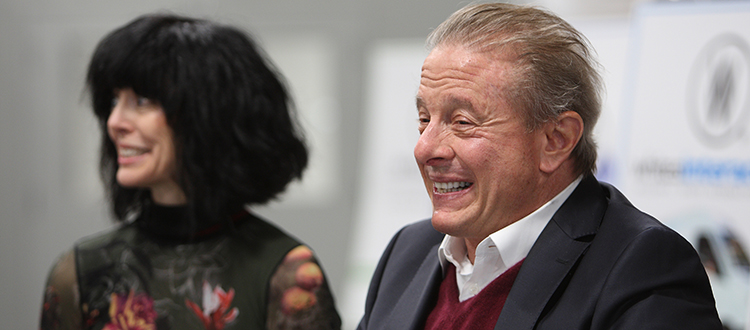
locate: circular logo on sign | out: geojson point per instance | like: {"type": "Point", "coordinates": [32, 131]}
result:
{"type": "Point", "coordinates": [718, 104]}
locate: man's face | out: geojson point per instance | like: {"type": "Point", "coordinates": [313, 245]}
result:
{"type": "Point", "coordinates": [479, 163]}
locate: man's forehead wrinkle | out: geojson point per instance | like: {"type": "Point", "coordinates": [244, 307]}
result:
{"type": "Point", "coordinates": [450, 78]}
{"type": "Point", "coordinates": [459, 73]}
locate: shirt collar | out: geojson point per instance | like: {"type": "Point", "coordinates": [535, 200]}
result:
{"type": "Point", "coordinates": [512, 242]}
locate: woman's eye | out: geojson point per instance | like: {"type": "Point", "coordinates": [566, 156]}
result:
{"type": "Point", "coordinates": [115, 100]}
{"type": "Point", "coordinates": [143, 101]}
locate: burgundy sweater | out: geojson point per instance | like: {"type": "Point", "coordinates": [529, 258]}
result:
{"type": "Point", "coordinates": [478, 312]}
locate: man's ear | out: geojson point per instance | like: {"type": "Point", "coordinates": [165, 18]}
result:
{"type": "Point", "coordinates": [561, 136]}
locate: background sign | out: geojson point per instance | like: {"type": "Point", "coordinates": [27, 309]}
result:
{"type": "Point", "coordinates": [687, 139]}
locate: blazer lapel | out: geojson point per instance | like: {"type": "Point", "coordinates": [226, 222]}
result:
{"type": "Point", "coordinates": [417, 300]}
{"type": "Point", "coordinates": [555, 252]}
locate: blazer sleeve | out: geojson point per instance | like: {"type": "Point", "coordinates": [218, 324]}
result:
{"type": "Point", "coordinates": [657, 282]}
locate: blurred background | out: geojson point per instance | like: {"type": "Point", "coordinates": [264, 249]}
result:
{"type": "Point", "coordinates": [353, 69]}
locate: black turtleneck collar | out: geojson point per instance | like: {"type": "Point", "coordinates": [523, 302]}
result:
{"type": "Point", "coordinates": [174, 223]}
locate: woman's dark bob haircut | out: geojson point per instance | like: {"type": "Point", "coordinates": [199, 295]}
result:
{"type": "Point", "coordinates": [235, 135]}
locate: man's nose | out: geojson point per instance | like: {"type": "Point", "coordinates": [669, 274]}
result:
{"type": "Point", "coordinates": [433, 147]}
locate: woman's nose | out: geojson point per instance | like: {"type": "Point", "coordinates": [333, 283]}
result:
{"type": "Point", "coordinates": [118, 123]}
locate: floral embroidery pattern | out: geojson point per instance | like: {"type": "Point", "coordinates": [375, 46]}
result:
{"type": "Point", "coordinates": [299, 297]}
{"type": "Point", "coordinates": [131, 312]}
{"type": "Point", "coordinates": [215, 313]}
{"type": "Point", "coordinates": [307, 278]}
{"type": "Point", "coordinates": [51, 309]}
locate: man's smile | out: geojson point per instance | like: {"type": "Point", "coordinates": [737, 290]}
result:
{"type": "Point", "coordinates": [448, 187]}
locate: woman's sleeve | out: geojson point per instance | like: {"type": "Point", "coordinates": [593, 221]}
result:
{"type": "Point", "coordinates": [299, 296]}
{"type": "Point", "coordinates": [60, 306]}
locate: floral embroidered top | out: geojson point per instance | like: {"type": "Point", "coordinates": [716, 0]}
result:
{"type": "Point", "coordinates": [156, 273]}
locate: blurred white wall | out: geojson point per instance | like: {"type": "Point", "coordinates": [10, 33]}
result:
{"type": "Point", "coordinates": [49, 189]}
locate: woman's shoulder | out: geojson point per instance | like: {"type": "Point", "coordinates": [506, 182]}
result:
{"type": "Point", "coordinates": [102, 239]}
{"type": "Point", "coordinates": [106, 248]}
{"type": "Point", "coordinates": [257, 230]}
{"type": "Point", "coordinates": [61, 296]}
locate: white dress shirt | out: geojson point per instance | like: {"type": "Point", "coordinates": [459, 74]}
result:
{"type": "Point", "coordinates": [501, 250]}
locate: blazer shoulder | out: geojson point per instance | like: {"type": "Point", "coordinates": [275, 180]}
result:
{"type": "Point", "coordinates": [423, 229]}
{"type": "Point", "coordinates": [415, 239]}
{"type": "Point", "coordinates": [628, 217]}
{"type": "Point", "coordinates": [404, 279]}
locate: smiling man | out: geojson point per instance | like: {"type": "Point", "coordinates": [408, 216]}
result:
{"type": "Point", "coordinates": [522, 235]}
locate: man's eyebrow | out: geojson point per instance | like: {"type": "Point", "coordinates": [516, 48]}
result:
{"type": "Point", "coordinates": [453, 103]}
{"type": "Point", "coordinates": [460, 103]}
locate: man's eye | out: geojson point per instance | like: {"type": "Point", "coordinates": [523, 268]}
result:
{"type": "Point", "coordinates": [423, 122]}
{"type": "Point", "coordinates": [115, 100]}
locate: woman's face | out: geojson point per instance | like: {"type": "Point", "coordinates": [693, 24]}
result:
{"type": "Point", "coordinates": [145, 146]}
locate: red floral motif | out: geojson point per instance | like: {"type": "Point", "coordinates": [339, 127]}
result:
{"type": "Point", "coordinates": [309, 276]}
{"type": "Point", "coordinates": [51, 309]}
{"type": "Point", "coordinates": [296, 300]}
{"type": "Point", "coordinates": [215, 313]}
{"type": "Point", "coordinates": [131, 312]}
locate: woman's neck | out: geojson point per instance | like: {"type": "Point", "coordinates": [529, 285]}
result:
{"type": "Point", "coordinates": [170, 195]}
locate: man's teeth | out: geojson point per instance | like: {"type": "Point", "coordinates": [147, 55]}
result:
{"type": "Point", "coordinates": [446, 187]}
{"type": "Point", "coordinates": [129, 152]}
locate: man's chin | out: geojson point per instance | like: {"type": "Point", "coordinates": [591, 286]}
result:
{"type": "Point", "coordinates": [448, 223]}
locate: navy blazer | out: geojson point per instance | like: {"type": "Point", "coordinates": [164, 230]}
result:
{"type": "Point", "coordinates": [598, 264]}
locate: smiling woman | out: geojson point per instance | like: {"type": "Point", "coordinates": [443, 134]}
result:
{"type": "Point", "coordinates": [196, 126]}
{"type": "Point", "coordinates": [145, 149]}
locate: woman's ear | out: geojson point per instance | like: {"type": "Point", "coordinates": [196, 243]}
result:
{"type": "Point", "coordinates": [561, 137]}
